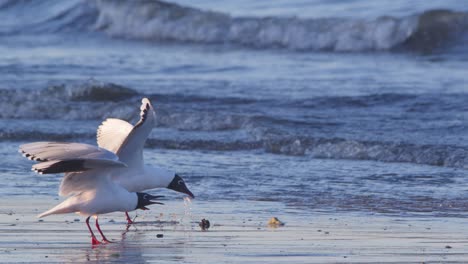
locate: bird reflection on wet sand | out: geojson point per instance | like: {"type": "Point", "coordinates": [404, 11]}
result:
{"type": "Point", "coordinates": [137, 243]}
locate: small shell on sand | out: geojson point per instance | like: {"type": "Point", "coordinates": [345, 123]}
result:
{"type": "Point", "coordinates": [275, 222]}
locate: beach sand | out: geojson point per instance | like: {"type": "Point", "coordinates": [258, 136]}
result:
{"type": "Point", "coordinates": [236, 235]}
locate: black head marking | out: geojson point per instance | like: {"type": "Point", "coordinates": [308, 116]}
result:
{"type": "Point", "coordinates": [145, 199]}
{"type": "Point", "coordinates": [178, 184]}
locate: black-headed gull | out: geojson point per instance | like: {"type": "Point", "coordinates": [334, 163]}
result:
{"type": "Point", "coordinates": [120, 138]}
{"type": "Point", "coordinates": [127, 142]}
{"type": "Point", "coordinates": [92, 190]}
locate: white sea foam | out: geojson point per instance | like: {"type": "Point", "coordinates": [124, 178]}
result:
{"type": "Point", "coordinates": [161, 21]}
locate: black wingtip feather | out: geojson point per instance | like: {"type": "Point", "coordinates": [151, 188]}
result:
{"type": "Point", "coordinates": [32, 157]}
{"type": "Point", "coordinates": [143, 114]}
{"type": "Point", "coordinates": [62, 166]}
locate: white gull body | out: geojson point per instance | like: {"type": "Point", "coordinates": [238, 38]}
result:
{"type": "Point", "coordinates": [92, 190]}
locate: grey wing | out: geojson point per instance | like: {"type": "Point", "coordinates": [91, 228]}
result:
{"type": "Point", "coordinates": [60, 157]}
{"type": "Point", "coordinates": [46, 151]}
{"type": "Point", "coordinates": [85, 166]}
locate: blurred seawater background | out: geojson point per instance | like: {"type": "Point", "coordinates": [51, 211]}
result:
{"type": "Point", "coordinates": [355, 106]}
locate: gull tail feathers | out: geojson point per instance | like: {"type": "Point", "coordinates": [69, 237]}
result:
{"type": "Point", "coordinates": [62, 208]}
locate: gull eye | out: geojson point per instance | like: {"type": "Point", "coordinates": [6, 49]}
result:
{"type": "Point", "coordinates": [180, 182]}
{"type": "Point", "coordinates": [145, 197]}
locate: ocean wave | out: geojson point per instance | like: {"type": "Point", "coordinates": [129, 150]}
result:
{"type": "Point", "coordinates": [340, 148]}
{"type": "Point", "coordinates": [201, 121]}
{"type": "Point", "coordinates": [93, 90]}
{"type": "Point", "coordinates": [204, 129]}
{"type": "Point", "coordinates": [323, 148]}
{"type": "Point", "coordinates": [72, 100]}
{"type": "Point", "coordinates": [161, 21]}
{"type": "Point", "coordinates": [67, 101]}
{"type": "Point", "coordinates": [437, 29]}
{"type": "Point", "coordinates": [29, 16]}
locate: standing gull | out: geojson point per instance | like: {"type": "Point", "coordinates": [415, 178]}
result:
{"type": "Point", "coordinates": [90, 185]}
{"type": "Point", "coordinates": [126, 141]}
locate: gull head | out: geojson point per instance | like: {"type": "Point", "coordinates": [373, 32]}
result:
{"type": "Point", "coordinates": [178, 185]}
{"type": "Point", "coordinates": [145, 199]}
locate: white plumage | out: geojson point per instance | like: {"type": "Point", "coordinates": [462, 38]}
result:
{"type": "Point", "coordinates": [112, 133]}
{"type": "Point", "coordinates": [100, 196]}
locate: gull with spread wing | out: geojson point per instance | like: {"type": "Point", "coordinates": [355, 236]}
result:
{"type": "Point", "coordinates": [88, 181]}
{"type": "Point", "coordinates": [124, 140]}
{"type": "Point", "coordinates": [127, 142]}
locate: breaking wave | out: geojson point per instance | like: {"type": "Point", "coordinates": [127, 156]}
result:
{"type": "Point", "coordinates": [436, 155]}
{"type": "Point", "coordinates": [71, 104]}
{"type": "Point", "coordinates": [161, 21]}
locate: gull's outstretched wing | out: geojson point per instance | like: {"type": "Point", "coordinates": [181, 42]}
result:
{"type": "Point", "coordinates": [112, 133]}
{"type": "Point", "coordinates": [46, 151]}
{"type": "Point", "coordinates": [125, 140]}
{"type": "Point", "coordinates": [60, 157]}
{"type": "Point", "coordinates": [85, 166]}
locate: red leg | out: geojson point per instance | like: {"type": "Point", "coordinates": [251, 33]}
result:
{"type": "Point", "coordinates": [129, 220]}
{"type": "Point", "coordinates": [94, 241]}
{"type": "Point", "coordinates": [104, 239]}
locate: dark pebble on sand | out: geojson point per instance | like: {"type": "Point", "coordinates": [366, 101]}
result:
{"type": "Point", "coordinates": [204, 224]}
{"type": "Point", "coordinates": [159, 235]}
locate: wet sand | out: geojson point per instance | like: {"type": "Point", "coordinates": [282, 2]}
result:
{"type": "Point", "coordinates": [239, 234]}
